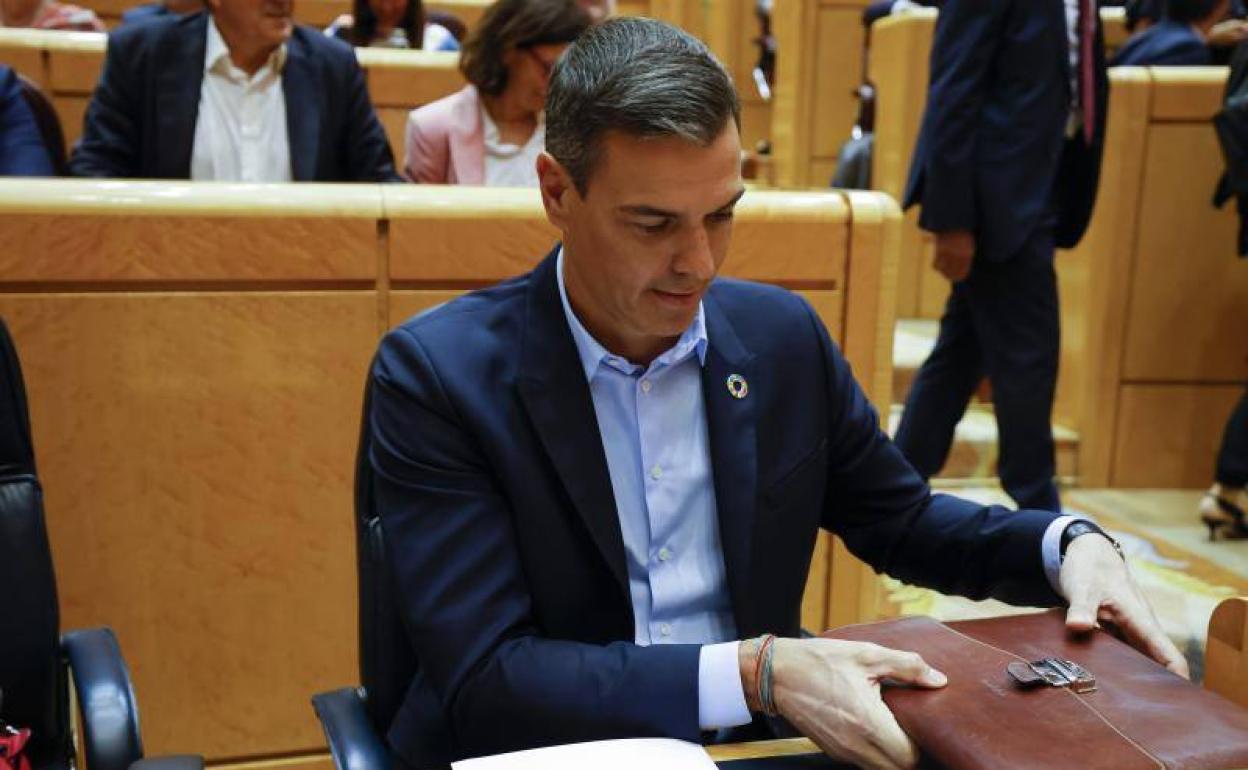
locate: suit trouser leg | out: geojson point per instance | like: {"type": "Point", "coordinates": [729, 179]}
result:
{"type": "Point", "coordinates": [942, 388]}
{"type": "Point", "coordinates": [1233, 457]}
{"type": "Point", "coordinates": [1015, 309]}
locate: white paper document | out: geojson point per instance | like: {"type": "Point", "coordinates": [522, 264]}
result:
{"type": "Point", "coordinates": [627, 754]}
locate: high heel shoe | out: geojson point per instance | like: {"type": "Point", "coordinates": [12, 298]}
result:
{"type": "Point", "coordinates": [1224, 510]}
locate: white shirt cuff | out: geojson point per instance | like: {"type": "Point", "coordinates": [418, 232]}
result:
{"type": "Point", "coordinates": [1051, 549]}
{"type": "Point", "coordinates": [721, 696]}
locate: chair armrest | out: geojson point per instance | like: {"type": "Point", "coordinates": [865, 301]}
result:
{"type": "Point", "coordinates": [170, 762]}
{"type": "Point", "coordinates": [110, 718]}
{"type": "Point", "coordinates": [353, 740]}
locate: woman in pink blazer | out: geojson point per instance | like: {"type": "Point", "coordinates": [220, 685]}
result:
{"type": "Point", "coordinates": [491, 131]}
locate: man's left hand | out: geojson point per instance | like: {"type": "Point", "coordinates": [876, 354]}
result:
{"type": "Point", "coordinates": [1096, 582]}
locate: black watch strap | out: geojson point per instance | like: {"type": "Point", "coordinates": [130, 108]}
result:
{"type": "Point", "coordinates": [1084, 527]}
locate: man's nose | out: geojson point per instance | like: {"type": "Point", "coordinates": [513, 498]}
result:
{"type": "Point", "coordinates": [695, 257]}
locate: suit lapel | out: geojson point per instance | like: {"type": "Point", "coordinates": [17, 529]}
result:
{"type": "Point", "coordinates": [553, 389]}
{"type": "Point", "coordinates": [178, 86]}
{"type": "Point", "coordinates": [304, 108]}
{"type": "Point", "coordinates": [731, 429]}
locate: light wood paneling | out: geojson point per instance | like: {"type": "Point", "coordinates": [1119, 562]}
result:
{"type": "Point", "coordinates": [1168, 435]}
{"type": "Point", "coordinates": [406, 303]}
{"type": "Point", "coordinates": [69, 231]}
{"type": "Point", "coordinates": [1092, 281]}
{"type": "Point", "coordinates": [409, 78]}
{"type": "Point", "coordinates": [317, 761]}
{"type": "Point", "coordinates": [1226, 653]}
{"type": "Point", "coordinates": [196, 451]}
{"type": "Point", "coordinates": [1188, 319]}
{"type": "Point", "coordinates": [818, 66]}
{"type": "Point", "coordinates": [1187, 94]}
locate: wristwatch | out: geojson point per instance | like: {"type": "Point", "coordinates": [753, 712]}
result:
{"type": "Point", "coordinates": [1085, 527]}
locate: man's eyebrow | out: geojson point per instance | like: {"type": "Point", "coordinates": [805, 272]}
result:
{"type": "Point", "coordinates": [643, 210]}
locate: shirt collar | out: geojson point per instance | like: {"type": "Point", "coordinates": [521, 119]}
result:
{"type": "Point", "coordinates": [593, 354]}
{"type": "Point", "coordinates": [216, 50]}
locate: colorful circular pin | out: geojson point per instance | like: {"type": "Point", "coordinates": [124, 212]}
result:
{"type": "Point", "coordinates": [737, 386]}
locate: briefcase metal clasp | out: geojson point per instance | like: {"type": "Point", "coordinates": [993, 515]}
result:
{"type": "Point", "coordinates": [1054, 672]}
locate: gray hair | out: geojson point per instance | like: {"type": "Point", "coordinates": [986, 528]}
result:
{"type": "Point", "coordinates": [638, 76]}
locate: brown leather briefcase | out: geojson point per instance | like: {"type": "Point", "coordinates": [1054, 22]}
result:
{"type": "Point", "coordinates": [1000, 711]}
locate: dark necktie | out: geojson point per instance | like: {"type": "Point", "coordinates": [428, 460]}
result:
{"type": "Point", "coordinates": [1087, 67]}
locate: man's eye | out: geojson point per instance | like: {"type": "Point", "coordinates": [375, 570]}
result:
{"type": "Point", "coordinates": [652, 227]}
{"type": "Point", "coordinates": [722, 216]}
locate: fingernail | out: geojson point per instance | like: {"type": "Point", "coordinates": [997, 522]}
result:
{"type": "Point", "coordinates": [935, 678]}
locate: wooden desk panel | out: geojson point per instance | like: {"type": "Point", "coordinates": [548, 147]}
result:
{"type": "Point", "coordinates": [196, 451]}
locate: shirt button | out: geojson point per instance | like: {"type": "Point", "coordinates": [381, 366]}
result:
{"type": "Point", "coordinates": [664, 554]}
{"type": "Point", "coordinates": [645, 386]}
{"type": "Point", "coordinates": [665, 629]}
{"type": "Point", "coordinates": [656, 473]}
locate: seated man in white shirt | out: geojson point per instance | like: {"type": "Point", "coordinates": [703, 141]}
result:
{"type": "Point", "coordinates": [239, 93]}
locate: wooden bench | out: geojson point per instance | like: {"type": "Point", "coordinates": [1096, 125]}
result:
{"type": "Point", "coordinates": [1153, 350]}
{"type": "Point", "coordinates": [195, 356]}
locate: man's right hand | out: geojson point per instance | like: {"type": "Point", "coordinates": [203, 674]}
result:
{"type": "Point", "coordinates": [830, 691]}
{"type": "Point", "coordinates": [955, 250]}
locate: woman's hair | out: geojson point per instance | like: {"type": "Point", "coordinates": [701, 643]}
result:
{"type": "Point", "coordinates": [365, 26]}
{"type": "Point", "coordinates": [516, 24]}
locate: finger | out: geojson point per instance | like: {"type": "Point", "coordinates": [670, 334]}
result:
{"type": "Point", "coordinates": [907, 667]}
{"type": "Point", "coordinates": [1085, 603]}
{"type": "Point", "coordinates": [1145, 634]}
{"type": "Point", "coordinates": [887, 738]}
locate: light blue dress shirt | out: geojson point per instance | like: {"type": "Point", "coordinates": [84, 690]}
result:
{"type": "Point", "coordinates": [653, 426]}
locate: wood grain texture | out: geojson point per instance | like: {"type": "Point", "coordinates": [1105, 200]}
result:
{"type": "Point", "coordinates": [1168, 435]}
{"type": "Point", "coordinates": [1188, 316]}
{"type": "Point", "coordinates": [48, 248]}
{"type": "Point", "coordinates": [1226, 652]}
{"type": "Point", "coordinates": [197, 452]}
{"type": "Point", "coordinates": [761, 749]}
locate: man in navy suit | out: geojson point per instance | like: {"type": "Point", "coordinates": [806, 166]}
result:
{"type": "Point", "coordinates": [1006, 168]}
{"type": "Point", "coordinates": [22, 151]}
{"type": "Point", "coordinates": [238, 93]}
{"type": "Point", "coordinates": [595, 479]}
{"type": "Point", "coordinates": [1179, 39]}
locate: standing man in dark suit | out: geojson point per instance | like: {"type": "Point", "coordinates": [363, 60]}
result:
{"type": "Point", "coordinates": [238, 93]}
{"type": "Point", "coordinates": [595, 479]}
{"type": "Point", "coordinates": [1006, 168]}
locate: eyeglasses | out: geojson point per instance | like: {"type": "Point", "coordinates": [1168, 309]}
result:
{"type": "Point", "coordinates": [544, 64]}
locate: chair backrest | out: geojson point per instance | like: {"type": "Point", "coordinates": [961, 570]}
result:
{"type": "Point", "coordinates": [387, 661]}
{"type": "Point", "coordinates": [32, 674]}
{"type": "Point", "coordinates": [48, 122]}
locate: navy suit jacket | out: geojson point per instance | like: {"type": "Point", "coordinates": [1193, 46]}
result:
{"type": "Point", "coordinates": [992, 155]}
{"type": "Point", "coordinates": [141, 120]}
{"type": "Point", "coordinates": [22, 151]}
{"type": "Point", "coordinates": [1164, 43]}
{"type": "Point", "coordinates": [496, 505]}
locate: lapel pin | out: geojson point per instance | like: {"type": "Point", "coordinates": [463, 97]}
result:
{"type": "Point", "coordinates": [737, 386]}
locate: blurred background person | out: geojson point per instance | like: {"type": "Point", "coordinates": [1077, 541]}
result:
{"type": "Point", "coordinates": [162, 8]}
{"type": "Point", "coordinates": [392, 24]}
{"type": "Point", "coordinates": [240, 94]}
{"type": "Point", "coordinates": [48, 14]}
{"type": "Point", "coordinates": [1179, 38]}
{"type": "Point", "coordinates": [22, 151]}
{"type": "Point", "coordinates": [492, 130]}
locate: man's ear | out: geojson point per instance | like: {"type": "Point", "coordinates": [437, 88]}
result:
{"type": "Point", "coordinates": [558, 192]}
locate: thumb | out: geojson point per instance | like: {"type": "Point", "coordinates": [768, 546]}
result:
{"type": "Point", "coordinates": [1084, 605]}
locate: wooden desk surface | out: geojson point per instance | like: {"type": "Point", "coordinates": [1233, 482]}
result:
{"type": "Point", "coordinates": [761, 749]}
